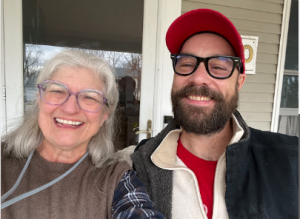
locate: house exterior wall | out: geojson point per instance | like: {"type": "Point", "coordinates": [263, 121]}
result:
{"type": "Point", "coordinates": [254, 18]}
{"type": "Point", "coordinates": [262, 18]}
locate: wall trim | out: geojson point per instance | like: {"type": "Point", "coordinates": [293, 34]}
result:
{"type": "Point", "coordinates": [280, 66]}
{"type": "Point", "coordinates": [13, 61]}
{"type": "Point", "coordinates": [148, 64]}
{"type": "Point", "coordinates": [2, 79]}
{"type": "Point", "coordinates": [168, 11]}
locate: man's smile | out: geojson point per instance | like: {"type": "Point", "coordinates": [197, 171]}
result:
{"type": "Point", "coordinates": [199, 98]}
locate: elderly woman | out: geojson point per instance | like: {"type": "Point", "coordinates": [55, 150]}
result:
{"type": "Point", "coordinates": [55, 164]}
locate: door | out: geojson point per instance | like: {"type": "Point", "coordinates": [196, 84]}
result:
{"type": "Point", "coordinates": [129, 34]}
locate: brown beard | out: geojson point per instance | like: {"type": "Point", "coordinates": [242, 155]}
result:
{"type": "Point", "coordinates": [196, 119]}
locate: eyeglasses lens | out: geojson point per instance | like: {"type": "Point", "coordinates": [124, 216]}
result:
{"type": "Point", "coordinates": [185, 64]}
{"type": "Point", "coordinates": [54, 93]}
{"type": "Point", "coordinates": [90, 100]}
{"type": "Point", "coordinates": [220, 67]}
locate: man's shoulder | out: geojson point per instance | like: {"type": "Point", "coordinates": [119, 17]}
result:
{"type": "Point", "coordinates": [278, 140]}
{"type": "Point", "coordinates": [142, 143]}
{"type": "Point", "coordinates": [144, 149]}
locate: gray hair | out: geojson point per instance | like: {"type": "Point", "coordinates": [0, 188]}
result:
{"type": "Point", "coordinates": [28, 135]}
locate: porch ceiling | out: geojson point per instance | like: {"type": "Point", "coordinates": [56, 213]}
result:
{"type": "Point", "coordinates": [115, 25]}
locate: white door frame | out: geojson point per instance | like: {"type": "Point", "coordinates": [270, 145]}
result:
{"type": "Point", "coordinates": [157, 72]}
{"type": "Point", "coordinates": [280, 66]}
{"type": "Point", "coordinates": [2, 81]}
{"type": "Point", "coordinates": [13, 60]}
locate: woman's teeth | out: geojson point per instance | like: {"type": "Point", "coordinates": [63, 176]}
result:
{"type": "Point", "coordinates": [68, 122]}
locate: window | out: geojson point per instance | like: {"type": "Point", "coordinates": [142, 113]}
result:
{"type": "Point", "coordinates": [288, 118]}
{"type": "Point", "coordinates": [109, 29]}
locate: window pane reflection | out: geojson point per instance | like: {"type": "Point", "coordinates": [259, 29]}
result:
{"type": "Point", "coordinates": [34, 59]}
{"type": "Point", "coordinates": [109, 29]}
{"type": "Point", "coordinates": [288, 125]}
{"type": "Point", "coordinates": [128, 78]}
{"type": "Point", "coordinates": [289, 95]}
{"type": "Point", "coordinates": [127, 67]}
{"type": "Point", "coordinates": [291, 60]}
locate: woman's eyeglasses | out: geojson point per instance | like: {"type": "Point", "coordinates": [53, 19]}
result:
{"type": "Point", "coordinates": [57, 93]}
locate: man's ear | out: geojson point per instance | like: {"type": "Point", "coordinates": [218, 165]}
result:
{"type": "Point", "coordinates": [241, 80]}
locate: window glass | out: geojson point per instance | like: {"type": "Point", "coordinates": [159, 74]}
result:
{"type": "Point", "coordinates": [291, 60]}
{"type": "Point", "coordinates": [288, 125]}
{"type": "Point", "coordinates": [289, 96]}
{"type": "Point", "coordinates": [109, 29]}
{"type": "Point", "coordinates": [288, 119]}
{"type": "Point", "coordinates": [33, 61]}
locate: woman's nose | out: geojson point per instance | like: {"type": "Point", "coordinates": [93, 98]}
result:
{"type": "Point", "coordinates": [71, 105]}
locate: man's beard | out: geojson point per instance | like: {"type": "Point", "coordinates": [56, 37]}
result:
{"type": "Point", "coordinates": [198, 119]}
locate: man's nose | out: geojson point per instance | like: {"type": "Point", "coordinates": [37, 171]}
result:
{"type": "Point", "coordinates": [200, 76]}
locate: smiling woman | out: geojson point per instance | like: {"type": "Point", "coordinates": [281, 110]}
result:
{"type": "Point", "coordinates": [56, 164]}
{"type": "Point", "coordinates": [61, 108]}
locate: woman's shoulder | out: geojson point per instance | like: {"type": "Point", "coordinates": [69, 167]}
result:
{"type": "Point", "coordinates": [118, 167]}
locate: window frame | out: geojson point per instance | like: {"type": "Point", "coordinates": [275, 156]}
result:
{"type": "Point", "coordinates": [281, 65]}
{"type": "Point", "coordinates": [289, 111]}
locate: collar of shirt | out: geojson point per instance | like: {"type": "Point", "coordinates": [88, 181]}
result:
{"type": "Point", "coordinates": [165, 154]}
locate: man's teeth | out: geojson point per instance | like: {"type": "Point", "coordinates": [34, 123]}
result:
{"type": "Point", "coordinates": [68, 122]}
{"type": "Point", "coordinates": [199, 98]}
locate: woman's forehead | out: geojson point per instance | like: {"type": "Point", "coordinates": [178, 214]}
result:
{"type": "Point", "coordinates": [78, 78]}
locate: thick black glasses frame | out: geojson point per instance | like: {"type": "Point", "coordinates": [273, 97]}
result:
{"type": "Point", "coordinates": [236, 62]}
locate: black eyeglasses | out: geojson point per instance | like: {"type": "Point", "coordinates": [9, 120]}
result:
{"type": "Point", "coordinates": [220, 67]}
{"type": "Point", "coordinates": [57, 93]}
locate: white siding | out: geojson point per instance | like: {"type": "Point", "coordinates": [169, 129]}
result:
{"type": "Point", "coordinates": [260, 18]}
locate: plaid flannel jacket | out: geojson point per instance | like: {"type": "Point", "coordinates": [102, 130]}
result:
{"type": "Point", "coordinates": [131, 199]}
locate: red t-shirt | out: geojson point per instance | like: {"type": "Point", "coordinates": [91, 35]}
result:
{"type": "Point", "coordinates": [205, 173]}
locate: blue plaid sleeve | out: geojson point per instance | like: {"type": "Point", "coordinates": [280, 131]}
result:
{"type": "Point", "coordinates": [131, 199]}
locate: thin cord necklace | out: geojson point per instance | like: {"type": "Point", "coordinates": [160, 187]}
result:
{"type": "Point", "coordinates": [34, 191]}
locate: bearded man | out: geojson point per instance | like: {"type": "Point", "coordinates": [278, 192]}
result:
{"type": "Point", "coordinates": [207, 163]}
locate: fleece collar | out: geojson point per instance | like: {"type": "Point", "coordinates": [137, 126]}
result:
{"type": "Point", "coordinates": [165, 154]}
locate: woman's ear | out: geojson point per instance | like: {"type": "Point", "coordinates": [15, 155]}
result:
{"type": "Point", "coordinates": [103, 117]}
